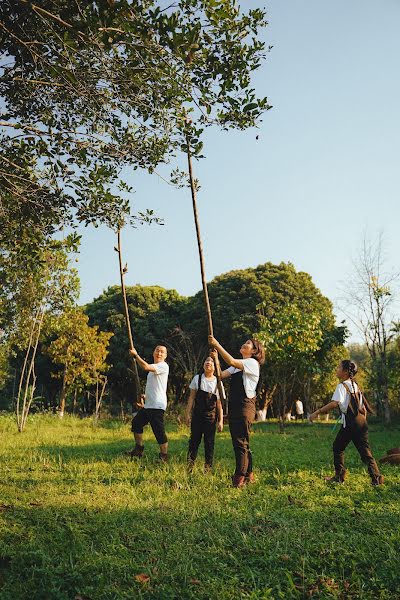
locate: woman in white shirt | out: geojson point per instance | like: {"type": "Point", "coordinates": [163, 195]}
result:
{"type": "Point", "coordinates": [353, 411]}
{"type": "Point", "coordinates": [244, 375]}
{"type": "Point", "coordinates": [203, 413]}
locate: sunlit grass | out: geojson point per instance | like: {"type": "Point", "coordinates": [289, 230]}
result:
{"type": "Point", "coordinates": [78, 519]}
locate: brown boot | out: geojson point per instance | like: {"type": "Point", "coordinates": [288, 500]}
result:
{"type": "Point", "coordinates": [238, 481]}
{"type": "Point", "coordinates": [377, 480]}
{"type": "Point", "coordinates": [338, 477]}
{"type": "Point", "coordinates": [137, 452]}
{"type": "Point", "coordinates": [250, 478]}
{"type": "Point", "coordinates": [163, 457]}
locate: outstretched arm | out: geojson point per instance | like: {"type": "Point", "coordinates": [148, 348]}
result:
{"type": "Point", "coordinates": [141, 362]}
{"type": "Point", "coordinates": [325, 409]}
{"type": "Point", "coordinates": [232, 362]}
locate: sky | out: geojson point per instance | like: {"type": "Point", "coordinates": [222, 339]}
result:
{"type": "Point", "coordinates": [323, 173]}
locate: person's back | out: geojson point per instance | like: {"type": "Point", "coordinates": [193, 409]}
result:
{"type": "Point", "coordinates": [299, 409]}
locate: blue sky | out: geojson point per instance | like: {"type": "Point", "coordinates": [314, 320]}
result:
{"type": "Point", "coordinates": [324, 170]}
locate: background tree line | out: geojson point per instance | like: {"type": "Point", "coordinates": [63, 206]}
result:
{"type": "Point", "coordinates": [250, 302]}
{"type": "Point", "coordinates": [82, 354]}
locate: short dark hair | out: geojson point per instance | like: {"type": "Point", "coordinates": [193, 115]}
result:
{"type": "Point", "coordinates": [350, 367]}
{"type": "Point", "coordinates": [259, 352]}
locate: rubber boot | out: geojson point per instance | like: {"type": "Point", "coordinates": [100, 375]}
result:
{"type": "Point", "coordinates": [377, 480]}
{"type": "Point", "coordinates": [163, 457]}
{"type": "Point", "coordinates": [338, 477]}
{"type": "Point", "coordinates": [238, 481]}
{"type": "Point", "coordinates": [137, 452]}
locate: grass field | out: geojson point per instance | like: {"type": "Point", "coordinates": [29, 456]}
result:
{"type": "Point", "coordinates": [80, 521]}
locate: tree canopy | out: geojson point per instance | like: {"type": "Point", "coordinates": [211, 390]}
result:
{"type": "Point", "coordinates": [91, 87]}
{"type": "Point", "coordinates": [162, 316]}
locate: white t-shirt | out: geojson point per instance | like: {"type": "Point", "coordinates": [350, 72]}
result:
{"type": "Point", "coordinates": [342, 397]}
{"type": "Point", "coordinates": [156, 386]}
{"type": "Point", "coordinates": [207, 385]}
{"type": "Point", "coordinates": [251, 375]}
{"type": "Point", "coordinates": [299, 407]}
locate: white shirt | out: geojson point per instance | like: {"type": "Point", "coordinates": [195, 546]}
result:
{"type": "Point", "coordinates": [342, 397]}
{"type": "Point", "coordinates": [251, 375]}
{"type": "Point", "coordinates": [156, 386]}
{"type": "Point", "coordinates": [207, 385]}
{"type": "Point", "coordinates": [299, 407]}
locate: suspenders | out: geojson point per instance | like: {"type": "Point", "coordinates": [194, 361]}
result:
{"type": "Point", "coordinates": [355, 404]}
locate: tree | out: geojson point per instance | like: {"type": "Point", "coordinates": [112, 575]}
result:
{"type": "Point", "coordinates": [81, 351]}
{"type": "Point", "coordinates": [31, 290]}
{"type": "Point", "coordinates": [368, 298]}
{"type": "Point", "coordinates": [292, 339]}
{"type": "Point", "coordinates": [162, 316]}
{"type": "Point", "coordinates": [89, 88]}
{"type": "Point", "coordinates": [154, 313]}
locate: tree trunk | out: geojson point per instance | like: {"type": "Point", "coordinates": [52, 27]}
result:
{"type": "Point", "coordinates": [74, 402]}
{"type": "Point", "coordinates": [30, 383]}
{"type": "Point", "coordinates": [221, 390]}
{"type": "Point", "coordinates": [63, 394]}
{"type": "Point", "coordinates": [138, 391]}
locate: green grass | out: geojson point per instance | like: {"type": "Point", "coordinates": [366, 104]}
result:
{"type": "Point", "coordinates": [79, 520]}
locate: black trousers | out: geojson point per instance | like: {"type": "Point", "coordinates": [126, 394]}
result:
{"type": "Point", "coordinates": [154, 416]}
{"type": "Point", "coordinates": [239, 428]}
{"type": "Point", "coordinates": [201, 427]}
{"type": "Point", "coordinates": [359, 436]}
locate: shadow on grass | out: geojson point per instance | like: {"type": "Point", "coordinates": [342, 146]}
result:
{"type": "Point", "coordinates": [188, 548]}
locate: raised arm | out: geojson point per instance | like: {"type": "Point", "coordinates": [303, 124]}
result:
{"type": "Point", "coordinates": [232, 362]}
{"type": "Point", "coordinates": [224, 374]}
{"type": "Point", "coordinates": [141, 362]}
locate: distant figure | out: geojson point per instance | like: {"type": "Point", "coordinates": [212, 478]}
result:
{"type": "Point", "coordinates": [204, 414]}
{"type": "Point", "coordinates": [155, 403]}
{"type": "Point", "coordinates": [299, 409]}
{"type": "Point", "coordinates": [353, 409]}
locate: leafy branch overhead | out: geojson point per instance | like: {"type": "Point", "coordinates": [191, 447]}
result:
{"type": "Point", "coordinates": [92, 88]}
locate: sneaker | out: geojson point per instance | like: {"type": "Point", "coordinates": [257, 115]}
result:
{"type": "Point", "coordinates": [250, 478]}
{"type": "Point", "coordinates": [163, 457]}
{"type": "Point", "coordinates": [377, 480]}
{"type": "Point", "coordinates": [238, 481]}
{"type": "Point", "coordinates": [137, 452]}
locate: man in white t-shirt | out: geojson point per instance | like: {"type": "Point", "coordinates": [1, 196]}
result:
{"type": "Point", "coordinates": [155, 402]}
{"type": "Point", "coordinates": [299, 409]}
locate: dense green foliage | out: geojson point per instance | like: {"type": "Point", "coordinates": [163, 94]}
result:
{"type": "Point", "coordinates": [90, 87]}
{"type": "Point", "coordinates": [161, 316]}
{"type": "Point", "coordinates": [77, 520]}
{"type": "Point", "coordinates": [243, 302]}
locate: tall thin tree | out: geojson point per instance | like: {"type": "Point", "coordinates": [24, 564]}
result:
{"type": "Point", "coordinates": [201, 260]}
{"type": "Point", "coordinates": [122, 272]}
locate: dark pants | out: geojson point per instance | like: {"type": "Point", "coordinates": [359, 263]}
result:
{"type": "Point", "coordinates": [240, 434]}
{"type": "Point", "coordinates": [359, 436]}
{"type": "Point", "coordinates": [155, 417]}
{"type": "Point", "coordinates": [200, 427]}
